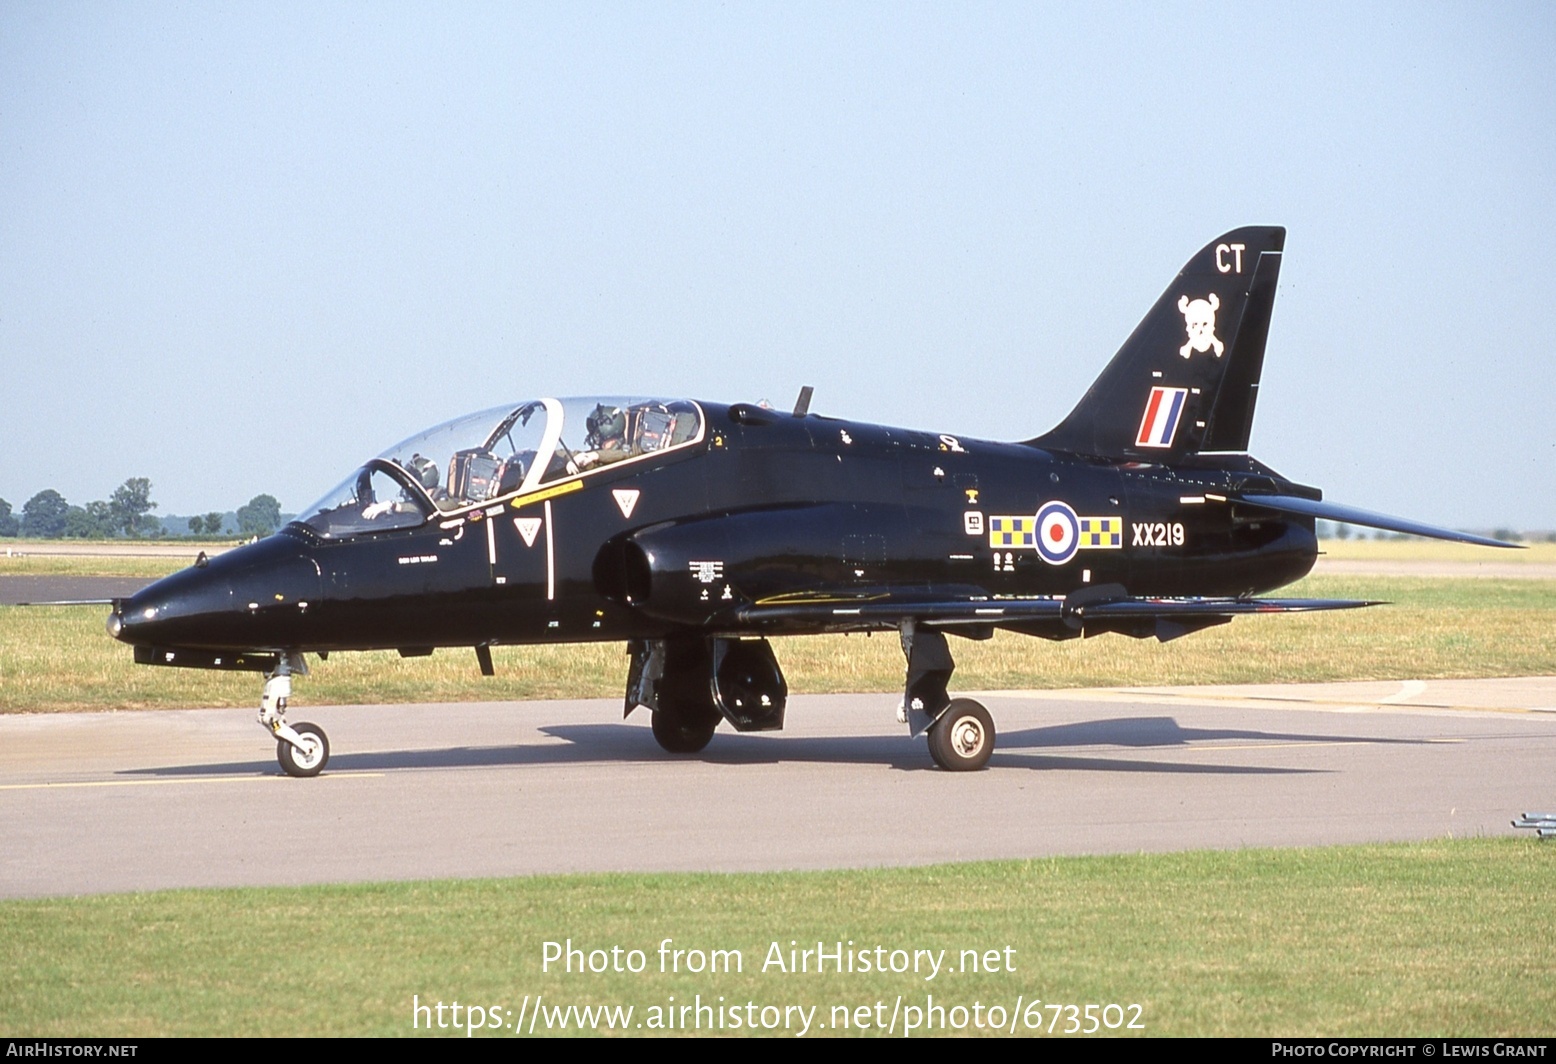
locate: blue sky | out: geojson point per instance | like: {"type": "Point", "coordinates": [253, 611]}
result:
{"type": "Point", "coordinates": [243, 247]}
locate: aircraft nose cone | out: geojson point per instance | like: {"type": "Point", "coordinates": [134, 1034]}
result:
{"type": "Point", "coordinates": [252, 596]}
{"type": "Point", "coordinates": [134, 618]}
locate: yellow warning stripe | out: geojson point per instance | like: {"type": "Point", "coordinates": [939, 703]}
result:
{"type": "Point", "coordinates": [548, 493]}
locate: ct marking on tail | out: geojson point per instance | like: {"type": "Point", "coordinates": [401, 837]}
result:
{"type": "Point", "coordinates": [1235, 250]}
{"type": "Point", "coordinates": [1162, 413]}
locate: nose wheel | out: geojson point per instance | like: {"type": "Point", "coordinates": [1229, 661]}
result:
{"type": "Point", "coordinates": [307, 755]}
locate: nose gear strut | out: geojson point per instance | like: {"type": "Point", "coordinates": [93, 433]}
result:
{"type": "Point", "coordinates": [302, 749]}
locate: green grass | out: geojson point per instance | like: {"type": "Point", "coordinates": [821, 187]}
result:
{"type": "Point", "coordinates": [1435, 550]}
{"type": "Point", "coordinates": [1441, 938]}
{"type": "Point", "coordinates": [59, 658]}
{"type": "Point", "coordinates": [151, 568]}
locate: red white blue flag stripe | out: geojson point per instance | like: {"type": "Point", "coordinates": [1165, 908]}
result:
{"type": "Point", "coordinates": [1162, 412]}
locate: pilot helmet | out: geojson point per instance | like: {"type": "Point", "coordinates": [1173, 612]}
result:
{"type": "Point", "coordinates": [424, 470]}
{"type": "Point", "coordinates": [606, 425]}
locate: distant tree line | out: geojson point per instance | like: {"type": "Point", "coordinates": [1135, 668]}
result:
{"type": "Point", "coordinates": [127, 512]}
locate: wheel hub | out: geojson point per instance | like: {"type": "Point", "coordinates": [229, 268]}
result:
{"type": "Point", "coordinates": [307, 755]}
{"type": "Point", "coordinates": [967, 737]}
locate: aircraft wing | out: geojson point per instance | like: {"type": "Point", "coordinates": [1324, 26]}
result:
{"type": "Point", "coordinates": [1102, 608]}
{"type": "Point", "coordinates": [1351, 515]}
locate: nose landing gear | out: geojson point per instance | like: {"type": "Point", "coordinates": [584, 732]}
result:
{"type": "Point", "coordinates": [302, 749]}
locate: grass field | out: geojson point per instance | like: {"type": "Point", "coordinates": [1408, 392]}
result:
{"type": "Point", "coordinates": [1442, 938]}
{"type": "Point", "coordinates": [22, 563]}
{"type": "Point", "coordinates": [59, 658]}
{"type": "Point", "coordinates": [1434, 550]}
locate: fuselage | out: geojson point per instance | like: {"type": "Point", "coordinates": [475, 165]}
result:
{"type": "Point", "coordinates": [760, 507]}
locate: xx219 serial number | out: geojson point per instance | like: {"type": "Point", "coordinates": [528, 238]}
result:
{"type": "Point", "coordinates": [1160, 534]}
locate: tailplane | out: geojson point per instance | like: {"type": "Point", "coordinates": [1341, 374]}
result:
{"type": "Point", "coordinates": [1187, 378]}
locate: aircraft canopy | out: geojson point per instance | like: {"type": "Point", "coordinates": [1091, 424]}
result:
{"type": "Point", "coordinates": [500, 452]}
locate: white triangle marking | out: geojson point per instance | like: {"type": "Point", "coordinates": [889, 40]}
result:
{"type": "Point", "coordinates": [529, 528]}
{"type": "Point", "coordinates": [626, 498]}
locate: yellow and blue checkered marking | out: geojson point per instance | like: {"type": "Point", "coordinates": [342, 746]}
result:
{"type": "Point", "coordinates": [1096, 533]}
{"type": "Point", "coordinates": [1013, 532]}
{"type": "Point", "coordinates": [1102, 533]}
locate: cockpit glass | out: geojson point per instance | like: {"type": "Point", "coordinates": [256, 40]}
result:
{"type": "Point", "coordinates": [500, 451]}
{"type": "Point", "coordinates": [476, 457]}
{"type": "Point", "coordinates": [373, 499]}
{"type": "Point", "coordinates": [601, 432]}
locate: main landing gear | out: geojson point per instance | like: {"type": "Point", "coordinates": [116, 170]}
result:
{"type": "Point", "coordinates": [683, 728]}
{"type": "Point", "coordinates": [963, 738]}
{"type": "Point", "coordinates": [691, 683]}
{"type": "Point", "coordinates": [961, 732]}
{"type": "Point", "coordinates": [302, 749]}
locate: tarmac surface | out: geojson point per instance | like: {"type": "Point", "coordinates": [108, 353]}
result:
{"type": "Point", "coordinates": [19, 590]}
{"type": "Point", "coordinates": [126, 548]}
{"type": "Point", "coordinates": [109, 802]}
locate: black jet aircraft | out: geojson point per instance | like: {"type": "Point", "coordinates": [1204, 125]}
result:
{"type": "Point", "coordinates": [693, 531]}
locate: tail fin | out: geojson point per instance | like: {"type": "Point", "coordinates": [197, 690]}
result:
{"type": "Point", "coordinates": [1187, 377]}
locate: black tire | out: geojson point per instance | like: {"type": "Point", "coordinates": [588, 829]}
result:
{"type": "Point", "coordinates": [303, 764]}
{"type": "Point", "coordinates": [678, 731]}
{"type": "Point", "coordinates": [962, 740]}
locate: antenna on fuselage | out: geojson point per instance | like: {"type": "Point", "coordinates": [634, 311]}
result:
{"type": "Point", "coordinates": [802, 404]}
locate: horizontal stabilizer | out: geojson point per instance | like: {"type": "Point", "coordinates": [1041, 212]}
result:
{"type": "Point", "coordinates": [1350, 515]}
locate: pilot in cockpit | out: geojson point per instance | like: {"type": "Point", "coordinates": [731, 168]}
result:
{"type": "Point", "coordinates": [606, 439]}
{"type": "Point", "coordinates": [422, 469]}
{"type": "Point", "coordinates": [425, 470]}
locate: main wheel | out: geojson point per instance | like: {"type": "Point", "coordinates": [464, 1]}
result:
{"type": "Point", "coordinates": [963, 738]}
{"type": "Point", "coordinates": [681, 732]}
{"type": "Point", "coordinates": [311, 759]}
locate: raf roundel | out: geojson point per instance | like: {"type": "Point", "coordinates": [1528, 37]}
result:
{"type": "Point", "coordinates": [1058, 533]}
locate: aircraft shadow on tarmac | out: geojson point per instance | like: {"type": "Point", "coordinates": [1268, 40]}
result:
{"type": "Point", "coordinates": [1031, 748]}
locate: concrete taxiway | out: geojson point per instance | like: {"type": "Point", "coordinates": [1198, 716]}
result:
{"type": "Point", "coordinates": [16, 590]}
{"type": "Point", "coordinates": [136, 801]}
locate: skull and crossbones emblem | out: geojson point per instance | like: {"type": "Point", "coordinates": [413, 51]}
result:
{"type": "Point", "coordinates": [1199, 318]}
